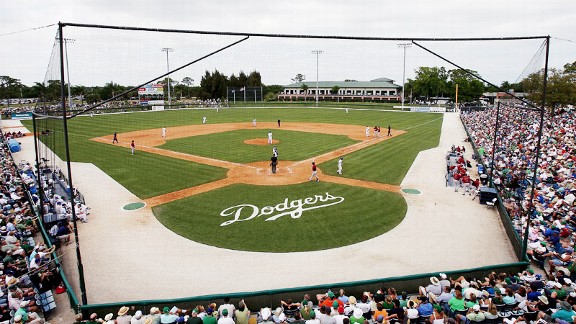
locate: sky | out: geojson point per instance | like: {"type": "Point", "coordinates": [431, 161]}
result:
{"type": "Point", "coordinates": [131, 58]}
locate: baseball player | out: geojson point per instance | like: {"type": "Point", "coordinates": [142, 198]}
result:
{"type": "Point", "coordinates": [115, 139]}
{"type": "Point", "coordinates": [254, 122]}
{"type": "Point", "coordinates": [163, 131]}
{"type": "Point", "coordinates": [314, 173]}
{"type": "Point", "coordinates": [340, 165]}
{"type": "Point", "coordinates": [278, 123]}
{"type": "Point", "coordinates": [274, 163]}
{"type": "Point", "coordinates": [275, 151]}
{"type": "Point", "coordinates": [389, 132]}
{"type": "Point", "coordinates": [346, 110]}
{"type": "Point", "coordinates": [367, 131]}
{"type": "Point", "coordinates": [132, 147]}
{"type": "Point", "coordinates": [204, 120]}
{"type": "Point", "coordinates": [269, 137]}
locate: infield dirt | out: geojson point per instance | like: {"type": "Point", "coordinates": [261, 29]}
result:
{"type": "Point", "coordinates": [257, 173]}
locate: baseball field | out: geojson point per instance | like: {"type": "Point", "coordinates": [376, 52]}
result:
{"type": "Point", "coordinates": [212, 182]}
{"type": "Point", "coordinates": [214, 212]}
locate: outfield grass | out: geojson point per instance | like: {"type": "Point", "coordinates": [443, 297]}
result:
{"type": "Point", "coordinates": [364, 214]}
{"type": "Point", "coordinates": [229, 146]}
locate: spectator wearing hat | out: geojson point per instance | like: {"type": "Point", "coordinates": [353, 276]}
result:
{"type": "Point", "coordinates": [23, 311]}
{"type": "Point", "coordinates": [357, 316]}
{"type": "Point", "coordinates": [228, 306]}
{"type": "Point", "coordinates": [123, 317]}
{"type": "Point", "coordinates": [224, 318]}
{"type": "Point", "coordinates": [108, 319]}
{"type": "Point", "coordinates": [412, 311]}
{"type": "Point", "coordinates": [209, 318]}
{"type": "Point", "coordinates": [266, 316]}
{"type": "Point", "coordinates": [444, 282]}
{"type": "Point", "coordinates": [330, 299]}
{"type": "Point", "coordinates": [312, 320]}
{"type": "Point", "coordinates": [138, 318]}
{"type": "Point", "coordinates": [242, 314]}
{"type": "Point", "coordinates": [194, 318]}
{"type": "Point", "coordinates": [154, 315]}
{"type": "Point", "coordinates": [434, 287]}
{"type": "Point", "coordinates": [339, 318]}
{"type": "Point", "coordinates": [276, 315]}
{"type": "Point", "coordinates": [167, 317]}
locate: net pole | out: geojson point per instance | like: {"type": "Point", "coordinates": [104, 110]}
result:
{"type": "Point", "coordinates": [537, 161]}
{"type": "Point", "coordinates": [71, 189]}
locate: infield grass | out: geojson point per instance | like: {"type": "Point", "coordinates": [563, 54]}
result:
{"type": "Point", "coordinates": [229, 146]}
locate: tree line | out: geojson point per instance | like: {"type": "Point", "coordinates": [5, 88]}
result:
{"type": "Point", "coordinates": [439, 82]}
{"type": "Point", "coordinates": [429, 82]}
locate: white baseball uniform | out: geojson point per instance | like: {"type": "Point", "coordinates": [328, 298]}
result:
{"type": "Point", "coordinates": [204, 120]}
{"type": "Point", "coordinates": [269, 137]}
{"type": "Point", "coordinates": [339, 166]}
{"type": "Point", "coordinates": [163, 131]}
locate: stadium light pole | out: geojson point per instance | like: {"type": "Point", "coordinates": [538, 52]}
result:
{"type": "Point", "coordinates": [255, 96]}
{"type": "Point", "coordinates": [317, 52]}
{"type": "Point", "coordinates": [168, 50]}
{"type": "Point", "coordinates": [404, 46]}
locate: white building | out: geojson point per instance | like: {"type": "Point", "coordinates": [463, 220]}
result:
{"type": "Point", "coordinates": [381, 89]}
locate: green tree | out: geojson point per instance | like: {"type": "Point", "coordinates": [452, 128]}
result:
{"type": "Point", "coordinates": [188, 81]}
{"type": "Point", "coordinates": [254, 79]}
{"type": "Point", "coordinates": [561, 87]}
{"type": "Point", "coordinates": [272, 91]}
{"type": "Point", "coordinates": [429, 82]}
{"type": "Point", "coordinates": [10, 87]}
{"type": "Point", "coordinates": [469, 87]}
{"type": "Point", "coordinates": [213, 85]}
{"type": "Point", "coordinates": [299, 78]}
{"type": "Point", "coordinates": [304, 88]}
{"type": "Point", "coordinates": [335, 90]}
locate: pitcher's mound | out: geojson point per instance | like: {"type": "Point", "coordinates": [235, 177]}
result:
{"type": "Point", "coordinates": [260, 141]}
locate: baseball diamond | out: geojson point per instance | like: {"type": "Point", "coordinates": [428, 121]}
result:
{"type": "Point", "coordinates": [210, 196]}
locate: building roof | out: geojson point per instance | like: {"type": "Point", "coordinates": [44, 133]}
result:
{"type": "Point", "coordinates": [376, 83]}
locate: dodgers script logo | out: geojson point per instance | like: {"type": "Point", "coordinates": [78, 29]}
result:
{"type": "Point", "coordinates": [293, 208]}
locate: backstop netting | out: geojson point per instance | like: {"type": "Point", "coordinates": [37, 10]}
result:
{"type": "Point", "coordinates": [192, 78]}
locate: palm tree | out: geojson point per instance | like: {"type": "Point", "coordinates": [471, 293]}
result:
{"type": "Point", "coordinates": [304, 88]}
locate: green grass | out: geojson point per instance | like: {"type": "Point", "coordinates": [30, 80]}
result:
{"type": "Point", "coordinates": [229, 146]}
{"type": "Point", "coordinates": [364, 214]}
{"type": "Point", "coordinates": [387, 162]}
{"type": "Point", "coordinates": [152, 175]}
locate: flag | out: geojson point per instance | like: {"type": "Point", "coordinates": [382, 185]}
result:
{"type": "Point", "coordinates": [243, 88]}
